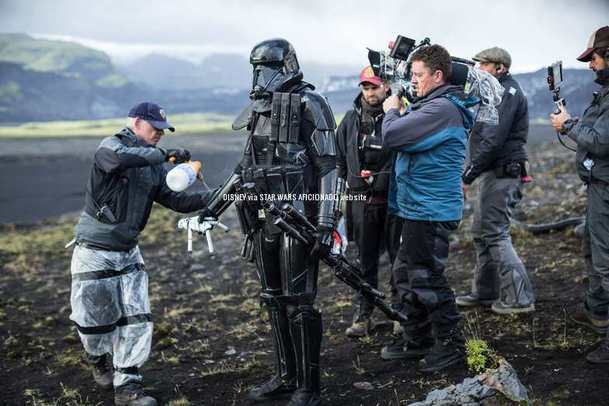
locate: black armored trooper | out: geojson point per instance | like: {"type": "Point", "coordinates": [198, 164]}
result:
{"type": "Point", "coordinates": [289, 157]}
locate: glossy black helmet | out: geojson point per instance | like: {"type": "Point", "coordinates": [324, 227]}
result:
{"type": "Point", "coordinates": [275, 64]}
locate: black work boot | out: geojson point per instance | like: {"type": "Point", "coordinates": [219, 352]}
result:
{"type": "Point", "coordinates": [404, 348]}
{"type": "Point", "coordinates": [132, 394]}
{"type": "Point", "coordinates": [101, 366]}
{"type": "Point", "coordinates": [599, 355]}
{"type": "Point", "coordinates": [583, 317]}
{"type": "Point", "coordinates": [446, 352]}
{"type": "Point", "coordinates": [274, 388]}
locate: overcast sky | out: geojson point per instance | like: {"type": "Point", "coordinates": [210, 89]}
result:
{"type": "Point", "coordinates": [536, 33]}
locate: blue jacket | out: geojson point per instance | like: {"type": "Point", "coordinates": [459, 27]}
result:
{"type": "Point", "coordinates": [430, 140]}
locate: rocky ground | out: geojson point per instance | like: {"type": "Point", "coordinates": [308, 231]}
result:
{"type": "Point", "coordinates": [211, 342]}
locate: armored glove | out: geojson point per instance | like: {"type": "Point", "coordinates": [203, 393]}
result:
{"type": "Point", "coordinates": [206, 214]}
{"type": "Point", "coordinates": [178, 155]}
{"type": "Point", "coordinates": [323, 245]}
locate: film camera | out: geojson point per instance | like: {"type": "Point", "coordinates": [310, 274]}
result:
{"type": "Point", "coordinates": [394, 66]}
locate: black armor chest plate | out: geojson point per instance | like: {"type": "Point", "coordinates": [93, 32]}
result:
{"type": "Point", "coordinates": [268, 150]}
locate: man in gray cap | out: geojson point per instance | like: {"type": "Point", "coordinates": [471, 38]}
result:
{"type": "Point", "coordinates": [591, 133]}
{"type": "Point", "coordinates": [109, 296]}
{"type": "Point", "coordinates": [497, 158]}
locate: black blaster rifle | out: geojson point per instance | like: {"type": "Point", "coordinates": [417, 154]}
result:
{"type": "Point", "coordinates": [297, 226]}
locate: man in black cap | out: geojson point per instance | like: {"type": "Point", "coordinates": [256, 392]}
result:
{"type": "Point", "coordinates": [591, 133]}
{"type": "Point", "coordinates": [497, 160]}
{"type": "Point", "coordinates": [366, 167]}
{"type": "Point", "coordinates": [109, 297]}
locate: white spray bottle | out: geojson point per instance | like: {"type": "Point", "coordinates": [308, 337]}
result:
{"type": "Point", "coordinates": [183, 176]}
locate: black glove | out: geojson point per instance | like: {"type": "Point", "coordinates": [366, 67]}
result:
{"type": "Point", "coordinates": [323, 245]}
{"type": "Point", "coordinates": [178, 155]}
{"type": "Point", "coordinates": [469, 176]}
{"type": "Point", "coordinates": [207, 214]}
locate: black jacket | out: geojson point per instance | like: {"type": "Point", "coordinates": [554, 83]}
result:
{"type": "Point", "coordinates": [349, 155]}
{"type": "Point", "coordinates": [493, 146]}
{"type": "Point", "coordinates": [126, 178]}
{"type": "Point", "coordinates": [591, 132]}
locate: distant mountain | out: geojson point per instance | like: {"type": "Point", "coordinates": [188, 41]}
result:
{"type": "Point", "coordinates": [52, 80]}
{"type": "Point", "coordinates": [230, 71]}
{"type": "Point", "coordinates": [577, 91]}
{"type": "Point", "coordinates": [65, 58]}
{"type": "Point", "coordinates": [161, 72]}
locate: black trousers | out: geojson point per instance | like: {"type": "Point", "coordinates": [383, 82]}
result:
{"type": "Point", "coordinates": [374, 230]}
{"type": "Point", "coordinates": [420, 280]}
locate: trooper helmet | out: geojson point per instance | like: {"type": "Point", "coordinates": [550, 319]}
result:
{"type": "Point", "coordinates": [275, 64]}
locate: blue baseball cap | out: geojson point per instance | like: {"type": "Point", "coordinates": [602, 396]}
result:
{"type": "Point", "coordinates": [152, 113]}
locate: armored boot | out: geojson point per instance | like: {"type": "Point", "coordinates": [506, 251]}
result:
{"type": "Point", "coordinates": [132, 394]}
{"type": "Point", "coordinates": [101, 367]}
{"type": "Point", "coordinates": [306, 330]}
{"type": "Point", "coordinates": [283, 382]}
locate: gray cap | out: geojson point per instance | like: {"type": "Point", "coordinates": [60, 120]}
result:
{"type": "Point", "coordinates": [494, 55]}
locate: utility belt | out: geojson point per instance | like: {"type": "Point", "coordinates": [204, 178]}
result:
{"type": "Point", "coordinates": [513, 170]}
{"type": "Point", "coordinates": [285, 179]}
{"type": "Point", "coordinates": [279, 183]}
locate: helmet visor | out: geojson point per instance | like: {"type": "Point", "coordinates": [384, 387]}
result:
{"type": "Point", "coordinates": [265, 75]}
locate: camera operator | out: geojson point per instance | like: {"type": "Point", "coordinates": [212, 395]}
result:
{"type": "Point", "coordinates": [591, 133]}
{"type": "Point", "coordinates": [366, 166]}
{"type": "Point", "coordinates": [430, 141]}
{"type": "Point", "coordinates": [498, 160]}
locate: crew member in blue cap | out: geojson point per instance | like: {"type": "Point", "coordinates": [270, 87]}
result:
{"type": "Point", "coordinates": [109, 297]}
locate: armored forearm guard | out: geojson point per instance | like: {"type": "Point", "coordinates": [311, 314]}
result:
{"type": "Point", "coordinates": [330, 188]}
{"type": "Point", "coordinates": [221, 199]}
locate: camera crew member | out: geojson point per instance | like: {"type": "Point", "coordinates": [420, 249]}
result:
{"type": "Point", "coordinates": [366, 166]}
{"type": "Point", "coordinates": [591, 133]}
{"type": "Point", "coordinates": [430, 141]}
{"type": "Point", "coordinates": [498, 161]}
